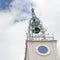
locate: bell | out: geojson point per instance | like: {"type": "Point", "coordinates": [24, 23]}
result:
{"type": "Point", "coordinates": [36, 30]}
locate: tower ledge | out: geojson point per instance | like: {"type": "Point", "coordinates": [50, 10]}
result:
{"type": "Point", "coordinates": [41, 40]}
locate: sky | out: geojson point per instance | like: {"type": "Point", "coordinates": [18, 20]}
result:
{"type": "Point", "coordinates": [14, 18]}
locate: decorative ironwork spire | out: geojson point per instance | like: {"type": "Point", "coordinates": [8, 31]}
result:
{"type": "Point", "coordinates": [36, 30]}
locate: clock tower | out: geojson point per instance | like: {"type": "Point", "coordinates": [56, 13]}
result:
{"type": "Point", "coordinates": [40, 45]}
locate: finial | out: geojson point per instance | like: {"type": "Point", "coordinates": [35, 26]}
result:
{"type": "Point", "coordinates": [32, 10]}
{"type": "Point", "coordinates": [33, 13]}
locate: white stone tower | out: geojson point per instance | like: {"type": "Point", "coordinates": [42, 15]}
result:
{"type": "Point", "coordinates": [39, 45]}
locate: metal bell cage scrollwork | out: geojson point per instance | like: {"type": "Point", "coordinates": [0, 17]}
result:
{"type": "Point", "coordinates": [36, 30]}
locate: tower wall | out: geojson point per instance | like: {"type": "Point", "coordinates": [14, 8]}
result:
{"type": "Point", "coordinates": [32, 54]}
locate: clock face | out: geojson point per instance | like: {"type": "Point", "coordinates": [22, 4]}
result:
{"type": "Point", "coordinates": [43, 50]}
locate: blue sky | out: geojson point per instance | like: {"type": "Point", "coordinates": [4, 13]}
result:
{"type": "Point", "coordinates": [14, 24]}
{"type": "Point", "coordinates": [8, 5]}
{"type": "Point", "coordinates": [5, 4]}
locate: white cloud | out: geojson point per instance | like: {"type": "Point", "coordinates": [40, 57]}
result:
{"type": "Point", "coordinates": [12, 36]}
